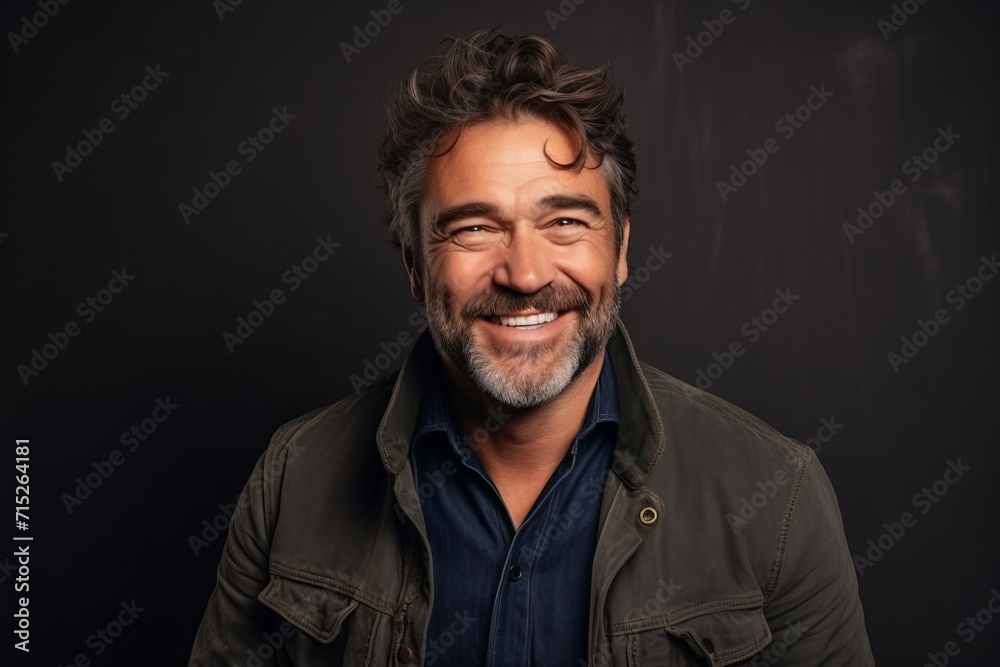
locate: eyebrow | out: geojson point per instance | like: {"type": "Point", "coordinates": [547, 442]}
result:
{"type": "Point", "coordinates": [480, 209]}
{"type": "Point", "coordinates": [476, 209]}
{"type": "Point", "coordinates": [571, 201]}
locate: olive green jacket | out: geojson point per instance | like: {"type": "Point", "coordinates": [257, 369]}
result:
{"type": "Point", "coordinates": [720, 541]}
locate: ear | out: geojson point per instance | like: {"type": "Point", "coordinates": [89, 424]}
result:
{"type": "Point", "coordinates": [413, 271]}
{"type": "Point", "coordinates": [622, 253]}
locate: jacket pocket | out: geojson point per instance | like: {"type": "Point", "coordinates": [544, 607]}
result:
{"type": "Point", "coordinates": [316, 611]}
{"type": "Point", "coordinates": [708, 635]}
{"type": "Point", "coordinates": [321, 626]}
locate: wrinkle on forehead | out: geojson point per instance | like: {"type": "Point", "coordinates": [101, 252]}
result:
{"type": "Point", "coordinates": [493, 152]}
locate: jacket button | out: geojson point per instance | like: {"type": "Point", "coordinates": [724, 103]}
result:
{"type": "Point", "coordinates": [647, 515]}
{"type": "Point", "coordinates": [709, 646]}
{"type": "Point", "coordinates": [515, 572]}
{"type": "Point", "coordinates": [404, 654]}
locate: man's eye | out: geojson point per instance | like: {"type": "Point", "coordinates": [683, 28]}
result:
{"type": "Point", "coordinates": [470, 233]}
{"type": "Point", "coordinates": [473, 236]}
{"type": "Point", "coordinates": [566, 222]}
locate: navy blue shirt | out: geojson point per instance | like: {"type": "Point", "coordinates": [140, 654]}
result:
{"type": "Point", "coordinates": [505, 597]}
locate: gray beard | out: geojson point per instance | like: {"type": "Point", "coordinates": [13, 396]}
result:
{"type": "Point", "coordinates": [529, 383]}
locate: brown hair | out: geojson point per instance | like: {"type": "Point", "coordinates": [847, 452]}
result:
{"type": "Point", "coordinates": [487, 75]}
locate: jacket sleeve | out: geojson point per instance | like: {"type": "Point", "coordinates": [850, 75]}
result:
{"type": "Point", "coordinates": [813, 609]}
{"type": "Point", "coordinates": [235, 625]}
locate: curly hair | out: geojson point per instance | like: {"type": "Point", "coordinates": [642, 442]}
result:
{"type": "Point", "coordinates": [489, 75]}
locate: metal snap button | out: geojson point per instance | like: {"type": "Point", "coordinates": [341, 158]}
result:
{"type": "Point", "coordinates": [515, 572]}
{"type": "Point", "coordinates": [404, 654]}
{"type": "Point", "coordinates": [647, 516]}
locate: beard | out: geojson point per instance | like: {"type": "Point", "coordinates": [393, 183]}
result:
{"type": "Point", "coordinates": [516, 375]}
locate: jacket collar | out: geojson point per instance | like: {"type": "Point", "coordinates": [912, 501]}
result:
{"type": "Point", "coordinates": [640, 433]}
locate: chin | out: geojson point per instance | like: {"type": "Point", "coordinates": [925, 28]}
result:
{"type": "Point", "coordinates": [523, 383]}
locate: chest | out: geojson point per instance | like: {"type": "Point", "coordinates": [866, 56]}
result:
{"type": "Point", "coordinates": [512, 562]}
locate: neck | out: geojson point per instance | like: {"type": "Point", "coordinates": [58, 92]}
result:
{"type": "Point", "coordinates": [526, 441]}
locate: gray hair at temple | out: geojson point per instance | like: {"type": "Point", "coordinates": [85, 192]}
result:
{"type": "Point", "coordinates": [489, 75]}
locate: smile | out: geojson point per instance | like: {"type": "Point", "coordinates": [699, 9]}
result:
{"type": "Point", "coordinates": [525, 321]}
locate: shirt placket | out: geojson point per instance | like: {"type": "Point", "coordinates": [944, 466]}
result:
{"type": "Point", "coordinates": [512, 602]}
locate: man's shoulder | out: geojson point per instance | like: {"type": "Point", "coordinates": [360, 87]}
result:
{"type": "Point", "coordinates": [729, 477]}
{"type": "Point", "coordinates": [335, 433]}
{"type": "Point", "coordinates": [725, 431]}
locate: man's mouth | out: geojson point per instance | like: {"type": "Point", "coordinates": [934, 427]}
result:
{"type": "Point", "coordinates": [526, 321]}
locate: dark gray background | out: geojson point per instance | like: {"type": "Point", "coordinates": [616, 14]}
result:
{"type": "Point", "coordinates": [162, 336]}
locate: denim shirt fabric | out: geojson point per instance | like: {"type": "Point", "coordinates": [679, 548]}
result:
{"type": "Point", "coordinates": [506, 597]}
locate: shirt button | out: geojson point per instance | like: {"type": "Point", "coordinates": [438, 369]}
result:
{"type": "Point", "coordinates": [404, 654]}
{"type": "Point", "coordinates": [515, 572]}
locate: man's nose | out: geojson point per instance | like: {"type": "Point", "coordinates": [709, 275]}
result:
{"type": "Point", "coordinates": [524, 264]}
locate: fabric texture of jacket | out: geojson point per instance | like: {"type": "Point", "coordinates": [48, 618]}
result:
{"type": "Point", "coordinates": [720, 540]}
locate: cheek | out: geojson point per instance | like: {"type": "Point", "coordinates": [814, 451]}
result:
{"type": "Point", "coordinates": [458, 274]}
{"type": "Point", "coordinates": [591, 265]}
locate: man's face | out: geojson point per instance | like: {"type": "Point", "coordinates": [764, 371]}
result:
{"type": "Point", "coordinates": [519, 267]}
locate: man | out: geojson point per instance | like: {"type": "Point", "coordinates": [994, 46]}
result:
{"type": "Point", "coordinates": [524, 491]}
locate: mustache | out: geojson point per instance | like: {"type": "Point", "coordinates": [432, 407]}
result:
{"type": "Point", "coordinates": [551, 298]}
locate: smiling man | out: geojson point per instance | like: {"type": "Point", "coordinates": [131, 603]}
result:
{"type": "Point", "coordinates": [525, 491]}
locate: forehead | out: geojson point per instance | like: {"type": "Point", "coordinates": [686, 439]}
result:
{"type": "Point", "coordinates": [504, 162]}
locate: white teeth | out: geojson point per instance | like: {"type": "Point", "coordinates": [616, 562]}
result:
{"type": "Point", "coordinates": [528, 320]}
